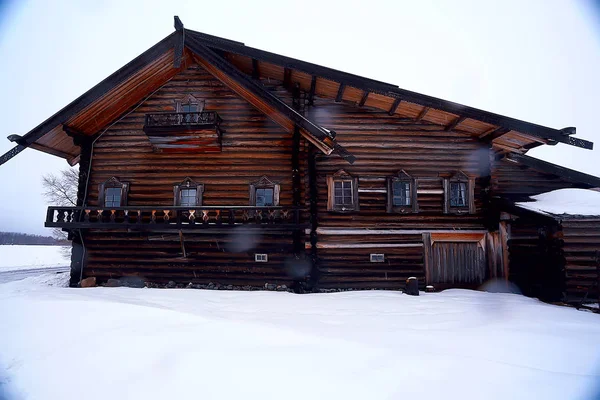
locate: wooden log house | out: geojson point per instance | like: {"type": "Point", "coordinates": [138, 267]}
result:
{"type": "Point", "coordinates": [206, 160]}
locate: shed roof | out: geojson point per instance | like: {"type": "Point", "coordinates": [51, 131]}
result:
{"type": "Point", "coordinates": [565, 203]}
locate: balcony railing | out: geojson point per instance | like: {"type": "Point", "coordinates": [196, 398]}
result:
{"type": "Point", "coordinates": [186, 120]}
{"type": "Point", "coordinates": [152, 218]}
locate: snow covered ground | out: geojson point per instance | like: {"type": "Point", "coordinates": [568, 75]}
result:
{"type": "Point", "coordinates": [26, 257]}
{"type": "Point", "coordinates": [123, 343]}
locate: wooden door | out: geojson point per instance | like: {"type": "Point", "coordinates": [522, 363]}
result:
{"type": "Point", "coordinates": [458, 263]}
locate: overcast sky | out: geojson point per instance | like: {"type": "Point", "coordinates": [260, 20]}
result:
{"type": "Point", "coordinates": [533, 60]}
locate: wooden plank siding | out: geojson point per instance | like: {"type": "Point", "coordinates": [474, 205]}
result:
{"type": "Point", "coordinates": [581, 249]}
{"type": "Point", "coordinates": [252, 146]}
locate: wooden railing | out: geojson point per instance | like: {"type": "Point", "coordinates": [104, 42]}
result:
{"type": "Point", "coordinates": [167, 120]}
{"type": "Point", "coordinates": [150, 218]}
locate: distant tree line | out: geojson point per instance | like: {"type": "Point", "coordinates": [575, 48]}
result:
{"type": "Point", "coordinates": [25, 239]}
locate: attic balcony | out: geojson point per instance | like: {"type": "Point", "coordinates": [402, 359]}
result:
{"type": "Point", "coordinates": [184, 131]}
{"type": "Point", "coordinates": [177, 121]}
{"type": "Point", "coordinates": [209, 218]}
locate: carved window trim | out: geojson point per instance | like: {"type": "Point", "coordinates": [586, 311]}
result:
{"type": "Point", "coordinates": [113, 182]}
{"type": "Point", "coordinates": [402, 177]}
{"type": "Point", "coordinates": [187, 183]}
{"type": "Point", "coordinates": [469, 207]}
{"type": "Point", "coordinates": [342, 176]}
{"type": "Point", "coordinates": [264, 183]}
{"type": "Point", "coordinates": [189, 100]}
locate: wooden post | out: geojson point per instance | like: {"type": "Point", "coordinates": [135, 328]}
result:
{"type": "Point", "coordinates": [427, 260]}
{"type": "Point", "coordinates": [504, 231]}
{"type": "Point", "coordinates": [312, 185]}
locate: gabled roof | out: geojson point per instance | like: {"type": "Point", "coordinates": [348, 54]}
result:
{"type": "Point", "coordinates": [504, 132]}
{"type": "Point", "coordinates": [97, 108]}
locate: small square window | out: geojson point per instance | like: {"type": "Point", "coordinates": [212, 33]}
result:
{"type": "Point", "coordinates": [188, 197]}
{"type": "Point", "coordinates": [401, 193]}
{"type": "Point", "coordinates": [377, 258]}
{"type": "Point", "coordinates": [458, 194]}
{"type": "Point", "coordinates": [112, 197]}
{"type": "Point", "coordinates": [187, 108]}
{"type": "Point", "coordinates": [261, 257]}
{"type": "Point", "coordinates": [264, 197]}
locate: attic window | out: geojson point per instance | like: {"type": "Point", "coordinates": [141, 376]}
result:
{"type": "Point", "coordinates": [342, 192]}
{"type": "Point", "coordinates": [189, 107]}
{"type": "Point", "coordinates": [189, 104]}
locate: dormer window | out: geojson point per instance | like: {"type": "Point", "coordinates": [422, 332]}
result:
{"type": "Point", "coordinates": [264, 193]}
{"type": "Point", "coordinates": [402, 193]}
{"type": "Point", "coordinates": [188, 193]}
{"type": "Point", "coordinates": [459, 194]}
{"type": "Point", "coordinates": [113, 193]}
{"type": "Point", "coordinates": [342, 192]}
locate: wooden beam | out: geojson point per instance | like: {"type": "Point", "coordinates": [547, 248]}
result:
{"type": "Point", "coordinates": [422, 114]}
{"type": "Point", "coordinates": [253, 92]}
{"type": "Point", "coordinates": [497, 133]}
{"type": "Point", "coordinates": [178, 45]}
{"type": "Point", "coordinates": [340, 92]}
{"type": "Point", "coordinates": [311, 93]}
{"type": "Point", "coordinates": [287, 77]}
{"type": "Point", "coordinates": [454, 123]}
{"type": "Point", "coordinates": [489, 132]}
{"type": "Point", "coordinates": [77, 136]}
{"type": "Point", "coordinates": [11, 153]}
{"type": "Point", "coordinates": [255, 70]}
{"type": "Point", "coordinates": [363, 99]}
{"type": "Point", "coordinates": [394, 106]}
{"type": "Point", "coordinates": [178, 24]}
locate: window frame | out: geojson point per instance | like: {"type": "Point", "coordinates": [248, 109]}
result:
{"type": "Point", "coordinates": [402, 177]}
{"type": "Point", "coordinates": [342, 175]}
{"type": "Point", "coordinates": [264, 183]}
{"type": "Point", "coordinates": [189, 100]}
{"type": "Point", "coordinates": [469, 182]}
{"type": "Point", "coordinates": [113, 183]}
{"type": "Point", "coordinates": [188, 183]}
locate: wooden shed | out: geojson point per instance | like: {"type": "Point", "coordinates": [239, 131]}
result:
{"type": "Point", "coordinates": [554, 245]}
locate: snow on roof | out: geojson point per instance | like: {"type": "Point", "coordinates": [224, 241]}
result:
{"type": "Point", "coordinates": [565, 201]}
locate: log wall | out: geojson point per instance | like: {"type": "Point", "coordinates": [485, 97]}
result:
{"type": "Point", "coordinates": [383, 146]}
{"type": "Point", "coordinates": [252, 146]}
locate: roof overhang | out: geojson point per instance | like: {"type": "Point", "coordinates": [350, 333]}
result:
{"type": "Point", "coordinates": [576, 177]}
{"type": "Point", "coordinates": [97, 108]}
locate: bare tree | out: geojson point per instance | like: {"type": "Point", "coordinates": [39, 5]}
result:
{"type": "Point", "coordinates": [61, 190]}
